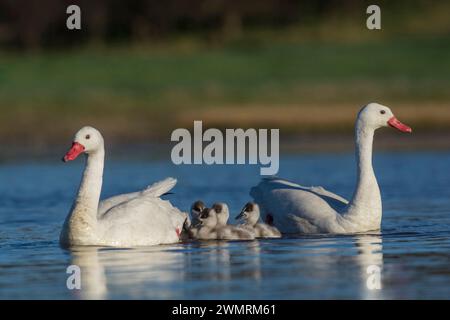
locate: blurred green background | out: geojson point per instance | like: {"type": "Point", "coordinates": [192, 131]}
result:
{"type": "Point", "coordinates": [139, 69]}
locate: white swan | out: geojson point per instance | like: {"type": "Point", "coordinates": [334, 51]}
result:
{"type": "Point", "coordinates": [133, 219]}
{"type": "Point", "coordinates": [250, 217]}
{"type": "Point", "coordinates": [297, 209]}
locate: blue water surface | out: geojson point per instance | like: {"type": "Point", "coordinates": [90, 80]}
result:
{"type": "Point", "coordinates": [412, 251]}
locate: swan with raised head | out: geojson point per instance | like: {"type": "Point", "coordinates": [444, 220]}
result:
{"type": "Point", "coordinates": [249, 216]}
{"type": "Point", "coordinates": [134, 219]}
{"type": "Point", "coordinates": [297, 209]}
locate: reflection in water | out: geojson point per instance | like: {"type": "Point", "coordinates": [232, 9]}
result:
{"type": "Point", "coordinates": [370, 260]}
{"type": "Point", "coordinates": [161, 272]}
{"type": "Point", "coordinates": [221, 269]}
{"type": "Point", "coordinates": [326, 266]}
{"type": "Point", "coordinates": [223, 260]}
{"type": "Point", "coordinates": [413, 252]}
{"type": "Point", "coordinates": [93, 279]}
{"type": "Point", "coordinates": [126, 272]}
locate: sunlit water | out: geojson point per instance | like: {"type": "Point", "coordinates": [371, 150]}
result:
{"type": "Point", "coordinates": [412, 250]}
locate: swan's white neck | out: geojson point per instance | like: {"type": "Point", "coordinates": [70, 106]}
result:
{"type": "Point", "coordinates": [365, 206]}
{"type": "Point", "coordinates": [81, 223]}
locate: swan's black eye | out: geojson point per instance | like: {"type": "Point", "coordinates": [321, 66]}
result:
{"type": "Point", "coordinates": [88, 137]}
{"type": "Point", "coordinates": [383, 111]}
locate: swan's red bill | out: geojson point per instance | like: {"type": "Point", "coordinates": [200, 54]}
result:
{"type": "Point", "coordinates": [395, 123]}
{"type": "Point", "coordinates": [74, 152]}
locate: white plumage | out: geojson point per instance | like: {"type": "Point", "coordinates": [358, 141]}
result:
{"type": "Point", "coordinates": [298, 209]}
{"type": "Point", "coordinates": [134, 219]}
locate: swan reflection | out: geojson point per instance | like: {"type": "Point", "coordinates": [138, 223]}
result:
{"type": "Point", "coordinates": [370, 260]}
{"type": "Point", "coordinates": [128, 273]}
{"type": "Point", "coordinates": [314, 266]}
{"type": "Point", "coordinates": [164, 272]}
{"type": "Point", "coordinates": [322, 267]}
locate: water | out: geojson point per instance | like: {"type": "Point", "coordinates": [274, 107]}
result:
{"type": "Point", "coordinates": [412, 251]}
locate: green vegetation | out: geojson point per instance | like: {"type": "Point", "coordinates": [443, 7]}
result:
{"type": "Point", "coordinates": [144, 92]}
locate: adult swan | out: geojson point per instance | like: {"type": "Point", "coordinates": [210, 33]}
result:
{"type": "Point", "coordinates": [296, 209]}
{"type": "Point", "coordinates": [134, 219]}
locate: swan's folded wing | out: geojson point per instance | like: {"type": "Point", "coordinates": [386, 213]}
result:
{"type": "Point", "coordinates": [287, 202]}
{"type": "Point", "coordinates": [159, 188]}
{"type": "Point", "coordinates": [155, 190]}
{"type": "Point", "coordinates": [336, 201]}
{"type": "Point", "coordinates": [108, 203]}
{"type": "Point", "coordinates": [142, 218]}
{"type": "Point", "coordinates": [323, 192]}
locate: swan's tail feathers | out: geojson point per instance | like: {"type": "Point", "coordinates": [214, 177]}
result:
{"type": "Point", "coordinates": [160, 188]}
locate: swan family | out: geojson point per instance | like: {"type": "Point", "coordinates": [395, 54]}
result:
{"type": "Point", "coordinates": [143, 218]}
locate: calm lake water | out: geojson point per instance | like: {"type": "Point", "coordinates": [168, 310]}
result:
{"type": "Point", "coordinates": [412, 250]}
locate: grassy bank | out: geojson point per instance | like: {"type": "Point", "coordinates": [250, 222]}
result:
{"type": "Point", "coordinates": [143, 93]}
